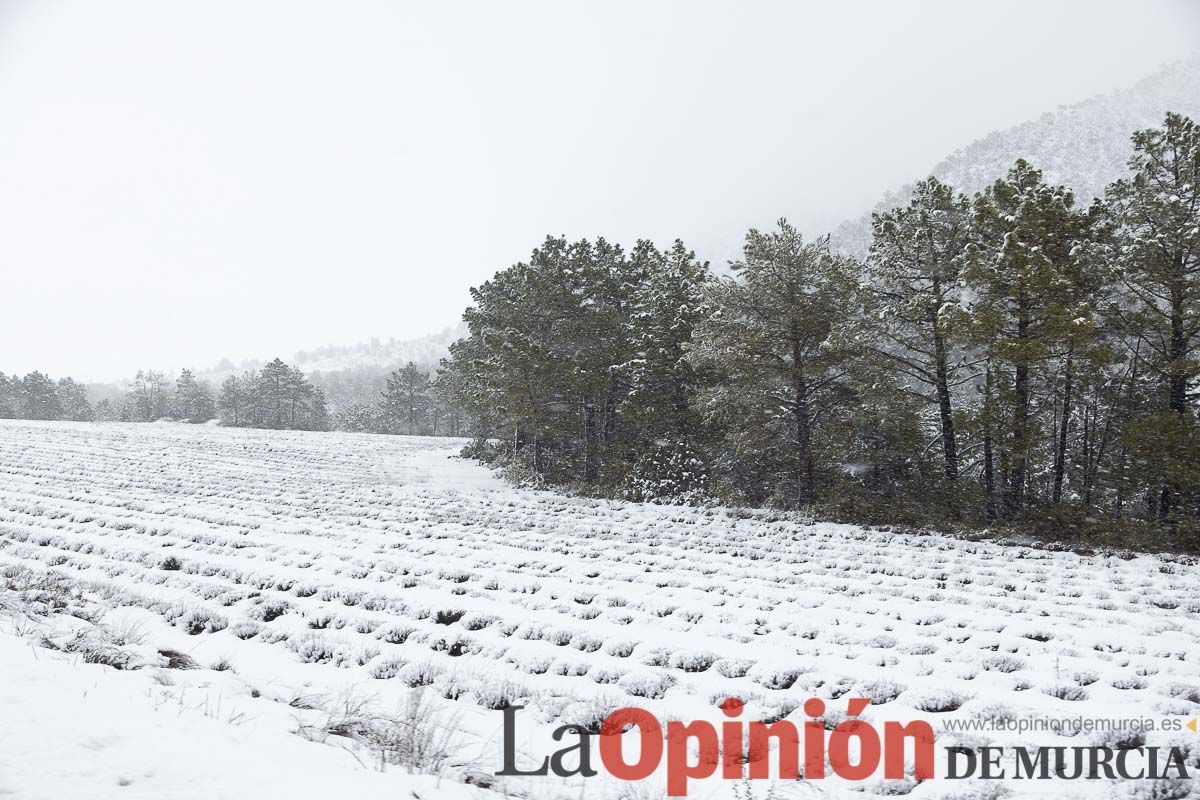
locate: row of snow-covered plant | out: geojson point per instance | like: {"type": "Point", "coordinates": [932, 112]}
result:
{"type": "Point", "coordinates": [1018, 357]}
{"type": "Point", "coordinates": [340, 560]}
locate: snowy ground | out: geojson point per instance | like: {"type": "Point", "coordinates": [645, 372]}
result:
{"type": "Point", "coordinates": [333, 576]}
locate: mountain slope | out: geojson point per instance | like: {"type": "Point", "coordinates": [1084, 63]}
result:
{"type": "Point", "coordinates": [373, 356]}
{"type": "Point", "coordinates": [1084, 146]}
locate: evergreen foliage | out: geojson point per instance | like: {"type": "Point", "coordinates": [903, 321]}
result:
{"type": "Point", "coordinates": [1011, 358]}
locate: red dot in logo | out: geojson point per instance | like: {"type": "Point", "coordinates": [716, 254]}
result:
{"type": "Point", "coordinates": [732, 706]}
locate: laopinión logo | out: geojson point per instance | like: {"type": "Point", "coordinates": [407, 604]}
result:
{"type": "Point", "coordinates": [853, 750]}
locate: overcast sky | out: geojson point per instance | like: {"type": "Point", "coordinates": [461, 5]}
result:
{"type": "Point", "coordinates": [185, 181]}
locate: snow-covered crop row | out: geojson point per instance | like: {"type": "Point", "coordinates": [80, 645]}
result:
{"type": "Point", "coordinates": [332, 560]}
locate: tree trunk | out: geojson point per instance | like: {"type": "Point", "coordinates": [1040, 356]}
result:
{"type": "Point", "coordinates": [949, 446]}
{"type": "Point", "coordinates": [590, 468]}
{"type": "Point", "coordinates": [989, 474]}
{"type": "Point", "coordinates": [805, 468]}
{"type": "Point", "coordinates": [1060, 454]}
{"type": "Point", "coordinates": [1020, 425]}
{"type": "Point", "coordinates": [1176, 382]}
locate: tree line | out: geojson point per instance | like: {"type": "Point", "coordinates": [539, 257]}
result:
{"type": "Point", "coordinates": [411, 403]}
{"type": "Point", "coordinates": [38, 396]}
{"type": "Point", "coordinates": [1011, 358]}
{"type": "Point", "coordinates": [277, 396]}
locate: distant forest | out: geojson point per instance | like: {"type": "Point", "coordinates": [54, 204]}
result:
{"type": "Point", "coordinates": [1009, 359]}
{"type": "Point", "coordinates": [276, 396]}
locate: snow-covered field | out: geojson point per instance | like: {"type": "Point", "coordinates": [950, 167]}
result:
{"type": "Point", "coordinates": [338, 583]}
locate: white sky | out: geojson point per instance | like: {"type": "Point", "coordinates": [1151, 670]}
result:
{"type": "Point", "coordinates": [185, 181]}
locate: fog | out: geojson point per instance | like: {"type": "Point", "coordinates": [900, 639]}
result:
{"type": "Point", "coordinates": [182, 182]}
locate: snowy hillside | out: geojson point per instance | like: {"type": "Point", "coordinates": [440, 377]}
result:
{"type": "Point", "coordinates": [1084, 146]}
{"type": "Point", "coordinates": [374, 356]}
{"type": "Point", "coordinates": [343, 586]}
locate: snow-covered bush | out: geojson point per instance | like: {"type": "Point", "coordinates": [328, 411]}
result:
{"type": "Point", "coordinates": [245, 630]}
{"type": "Point", "coordinates": [672, 472]}
{"type": "Point", "coordinates": [313, 649]}
{"type": "Point", "coordinates": [879, 691]}
{"type": "Point", "coordinates": [419, 674]}
{"type": "Point", "coordinates": [692, 662]}
{"type": "Point", "coordinates": [497, 695]}
{"type": "Point", "coordinates": [937, 702]}
{"type": "Point", "coordinates": [386, 668]}
{"type": "Point", "coordinates": [1066, 691]}
{"type": "Point", "coordinates": [650, 685]}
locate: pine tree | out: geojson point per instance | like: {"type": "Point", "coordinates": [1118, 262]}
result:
{"type": "Point", "coordinates": [273, 396]}
{"type": "Point", "coordinates": [193, 398]}
{"type": "Point", "coordinates": [316, 412]}
{"type": "Point", "coordinates": [405, 402]}
{"type": "Point", "coordinates": [1158, 209]}
{"type": "Point", "coordinates": [73, 401]}
{"type": "Point", "coordinates": [664, 429]}
{"type": "Point", "coordinates": [359, 418]}
{"type": "Point", "coordinates": [231, 402]}
{"type": "Point", "coordinates": [147, 399]}
{"type": "Point", "coordinates": [546, 339]}
{"type": "Point", "coordinates": [205, 407]}
{"type": "Point", "coordinates": [299, 395]}
{"type": "Point", "coordinates": [10, 403]}
{"type": "Point", "coordinates": [104, 411]}
{"type": "Point", "coordinates": [769, 338]}
{"type": "Point", "coordinates": [38, 397]}
{"type": "Point", "coordinates": [1021, 272]}
{"type": "Point", "coordinates": [913, 307]}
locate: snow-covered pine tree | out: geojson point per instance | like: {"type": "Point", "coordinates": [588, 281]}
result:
{"type": "Point", "coordinates": [231, 402]}
{"type": "Point", "coordinates": [38, 397]}
{"type": "Point", "coordinates": [1021, 272]}
{"type": "Point", "coordinates": [405, 401]}
{"type": "Point", "coordinates": [913, 312]}
{"type": "Point", "coordinates": [73, 401]}
{"type": "Point", "coordinates": [780, 372]}
{"type": "Point", "coordinates": [193, 398]}
{"type": "Point", "coordinates": [1158, 211]}
{"type": "Point", "coordinates": [663, 428]}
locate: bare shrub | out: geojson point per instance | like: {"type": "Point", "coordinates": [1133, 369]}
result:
{"type": "Point", "coordinates": [498, 695]}
{"type": "Point", "coordinates": [268, 610]}
{"type": "Point", "coordinates": [418, 734]}
{"type": "Point", "coordinates": [1066, 691]}
{"type": "Point", "coordinates": [880, 691]}
{"type": "Point", "coordinates": [396, 634]}
{"type": "Point", "coordinates": [387, 668]}
{"type": "Point", "coordinates": [939, 702]}
{"type": "Point", "coordinates": [771, 678]}
{"type": "Point", "coordinates": [313, 649]}
{"type": "Point", "coordinates": [245, 630]}
{"type": "Point", "coordinates": [1003, 664]}
{"type": "Point", "coordinates": [651, 685]}
{"type": "Point", "coordinates": [125, 633]}
{"type": "Point", "coordinates": [94, 647]}
{"type": "Point", "coordinates": [476, 622]}
{"type": "Point", "coordinates": [620, 649]}
{"type": "Point", "coordinates": [586, 642]}
{"type": "Point", "coordinates": [734, 667]}
{"type": "Point", "coordinates": [693, 662]}
{"type": "Point", "coordinates": [178, 660]}
{"type": "Point", "coordinates": [419, 674]}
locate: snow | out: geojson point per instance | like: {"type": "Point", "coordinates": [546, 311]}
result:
{"type": "Point", "coordinates": [74, 730]}
{"type": "Point", "coordinates": [312, 562]}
